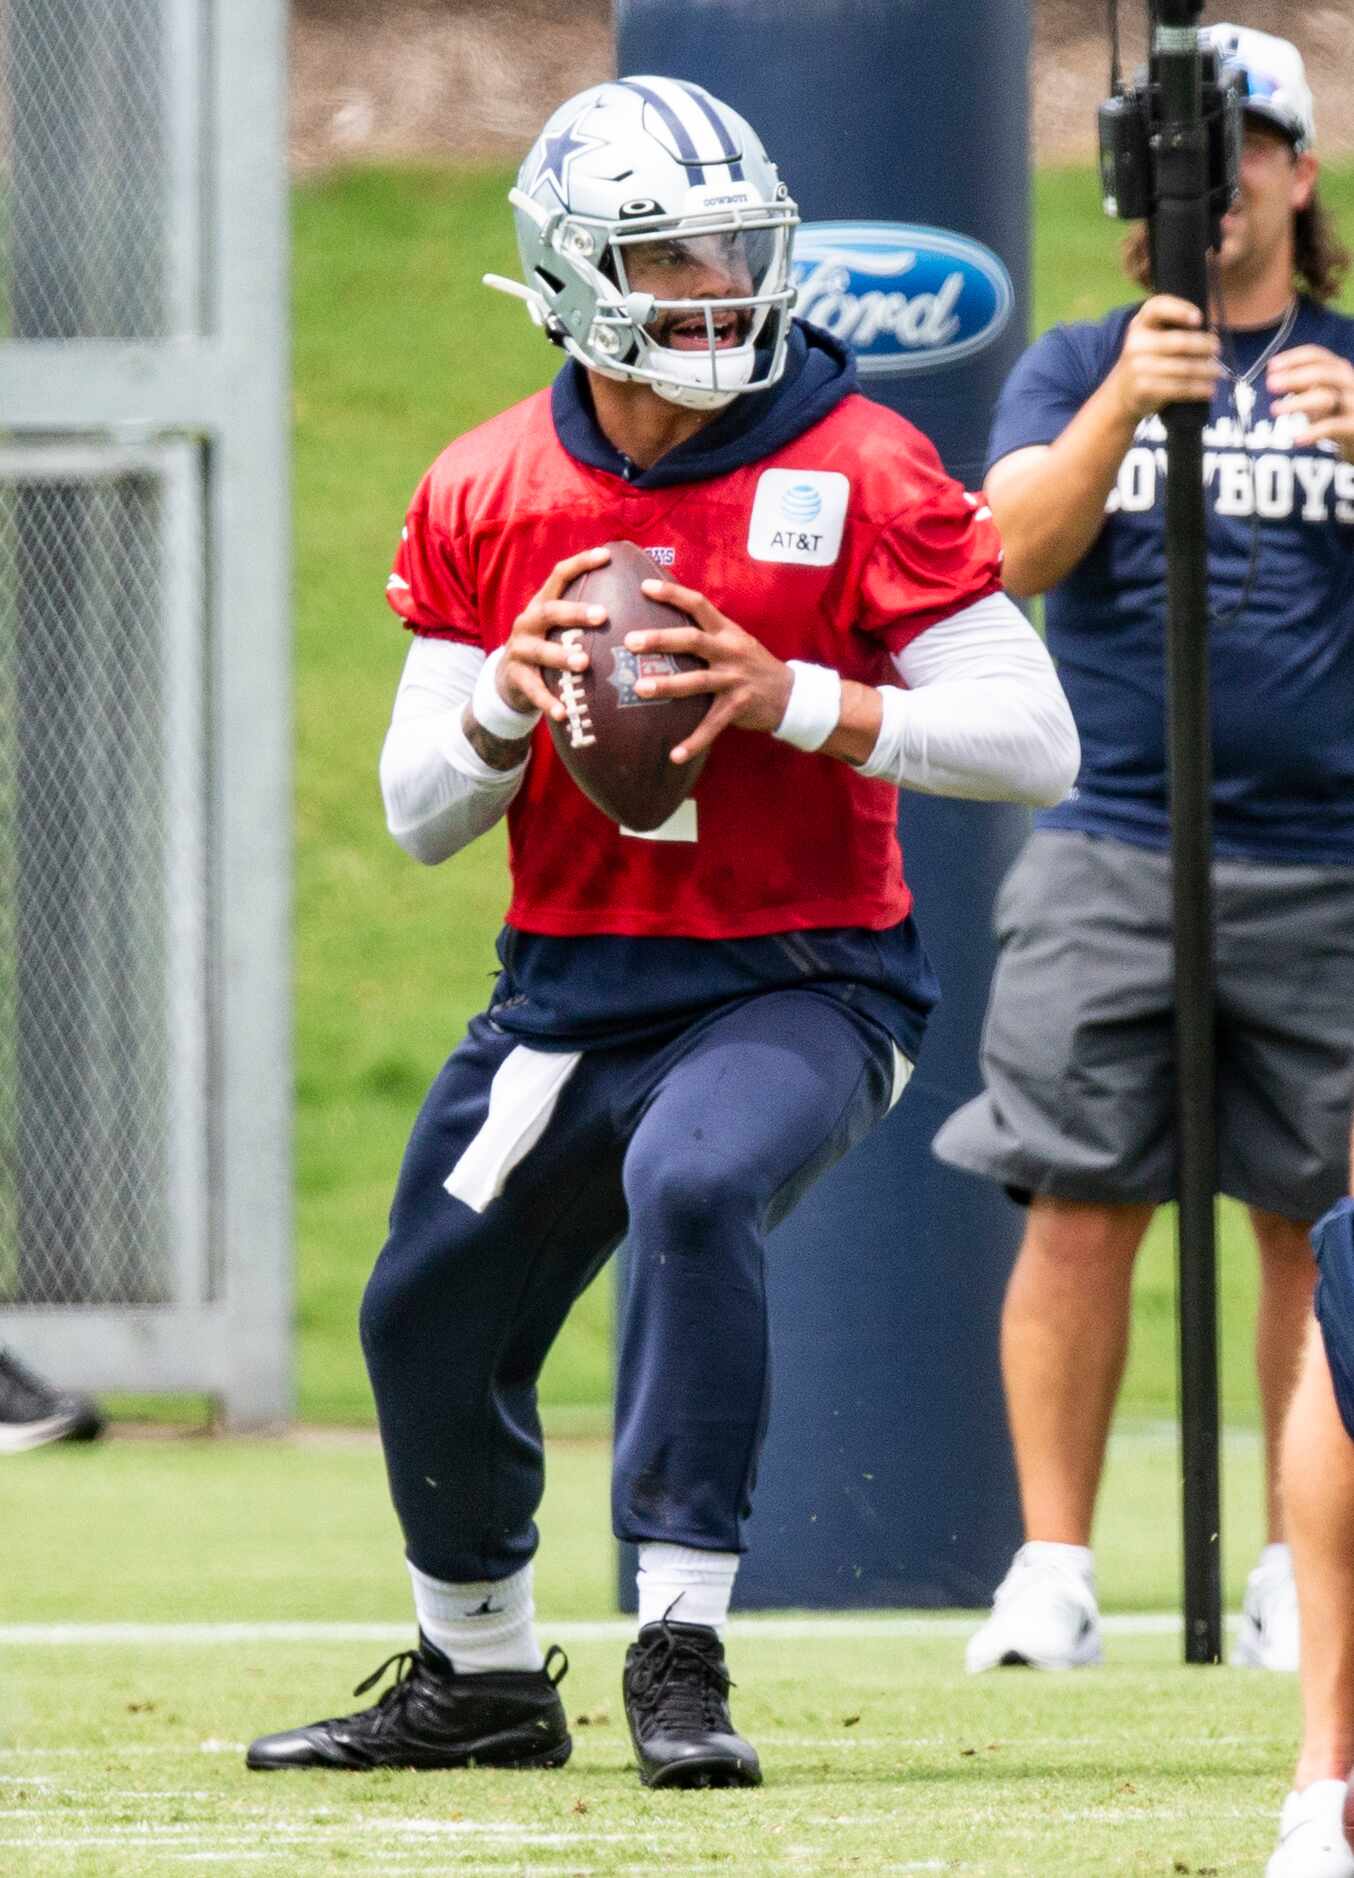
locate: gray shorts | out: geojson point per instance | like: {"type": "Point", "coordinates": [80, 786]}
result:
{"type": "Point", "coordinates": [1078, 1046]}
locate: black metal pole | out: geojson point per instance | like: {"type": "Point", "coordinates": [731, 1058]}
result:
{"type": "Point", "coordinates": [1180, 237]}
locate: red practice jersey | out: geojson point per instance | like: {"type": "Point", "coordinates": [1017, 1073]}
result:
{"type": "Point", "coordinates": [838, 548]}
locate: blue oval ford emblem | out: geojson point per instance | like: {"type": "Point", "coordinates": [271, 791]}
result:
{"type": "Point", "coordinates": [904, 298]}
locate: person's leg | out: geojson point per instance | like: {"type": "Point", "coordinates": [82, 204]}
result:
{"type": "Point", "coordinates": [1287, 1276]}
{"type": "Point", "coordinates": [457, 1318]}
{"type": "Point", "coordinates": [1268, 1634]}
{"type": "Point", "coordinates": [1064, 1342]}
{"type": "Point", "coordinates": [463, 1305]}
{"type": "Point", "coordinates": [1285, 1081]}
{"type": "Point", "coordinates": [1317, 1471]}
{"type": "Point", "coordinates": [748, 1111]}
{"type": "Point", "coordinates": [1318, 1488]}
{"type": "Point", "coordinates": [1078, 1065]}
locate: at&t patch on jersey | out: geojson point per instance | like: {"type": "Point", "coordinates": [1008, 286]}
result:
{"type": "Point", "coordinates": [798, 516]}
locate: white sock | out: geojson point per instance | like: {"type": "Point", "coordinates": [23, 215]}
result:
{"type": "Point", "coordinates": [1077, 1558]}
{"type": "Point", "coordinates": [484, 1625]}
{"type": "Point", "coordinates": [687, 1585]}
{"type": "Point", "coordinates": [1275, 1556]}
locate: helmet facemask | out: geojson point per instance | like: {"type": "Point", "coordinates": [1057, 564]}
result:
{"type": "Point", "coordinates": [704, 350]}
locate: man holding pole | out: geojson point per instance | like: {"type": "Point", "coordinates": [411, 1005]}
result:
{"type": "Point", "coordinates": [1078, 1055]}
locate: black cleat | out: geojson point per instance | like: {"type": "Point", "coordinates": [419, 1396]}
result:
{"type": "Point", "coordinates": [431, 1717]}
{"type": "Point", "coordinates": [32, 1413]}
{"type": "Point", "coordinates": [677, 1704]}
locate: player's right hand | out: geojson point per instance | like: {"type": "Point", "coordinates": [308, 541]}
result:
{"type": "Point", "coordinates": [1167, 358]}
{"type": "Point", "coordinates": [528, 650]}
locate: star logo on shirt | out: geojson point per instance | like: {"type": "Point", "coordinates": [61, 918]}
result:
{"type": "Point", "coordinates": [558, 153]}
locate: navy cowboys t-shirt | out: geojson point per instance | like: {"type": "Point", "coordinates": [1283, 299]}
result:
{"type": "Point", "coordinates": [1281, 661]}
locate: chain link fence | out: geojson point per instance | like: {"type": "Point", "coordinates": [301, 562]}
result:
{"type": "Point", "coordinates": [144, 853]}
{"type": "Point", "coordinates": [102, 857]}
{"type": "Point", "coordinates": [102, 876]}
{"type": "Point", "coordinates": [87, 125]}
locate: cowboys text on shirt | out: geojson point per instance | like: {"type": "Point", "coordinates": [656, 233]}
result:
{"type": "Point", "coordinates": [1246, 472]}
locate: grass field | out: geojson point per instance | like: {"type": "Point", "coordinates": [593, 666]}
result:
{"type": "Point", "coordinates": [212, 1590]}
{"type": "Point", "coordinates": [165, 1599]}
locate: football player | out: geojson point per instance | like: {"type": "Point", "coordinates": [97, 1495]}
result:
{"type": "Point", "coordinates": [688, 1029]}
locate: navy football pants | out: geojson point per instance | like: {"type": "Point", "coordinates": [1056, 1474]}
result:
{"type": "Point", "coordinates": [1333, 1241]}
{"type": "Point", "coordinates": [692, 1149]}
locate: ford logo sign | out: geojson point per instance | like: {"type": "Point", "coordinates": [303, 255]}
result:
{"type": "Point", "coordinates": [904, 298]}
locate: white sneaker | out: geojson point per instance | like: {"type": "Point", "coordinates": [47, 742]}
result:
{"type": "Point", "coordinates": [1268, 1637]}
{"type": "Point", "coordinates": [1044, 1615]}
{"type": "Point", "coordinates": [1312, 1842]}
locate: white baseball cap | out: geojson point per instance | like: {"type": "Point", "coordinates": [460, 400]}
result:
{"type": "Point", "coordinates": [1274, 82]}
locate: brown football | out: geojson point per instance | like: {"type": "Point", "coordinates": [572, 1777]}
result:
{"type": "Point", "coordinates": [615, 745]}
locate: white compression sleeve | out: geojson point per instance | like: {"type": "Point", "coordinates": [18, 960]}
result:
{"type": "Point", "coordinates": [438, 793]}
{"type": "Point", "coordinates": [983, 716]}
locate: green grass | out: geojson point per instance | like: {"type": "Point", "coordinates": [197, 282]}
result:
{"type": "Point", "coordinates": [120, 1759]}
{"type": "Point", "coordinates": [397, 349]}
{"type": "Point", "coordinates": [124, 1757]}
{"type": "Point", "coordinates": [879, 1759]}
{"type": "Point", "coordinates": [215, 1530]}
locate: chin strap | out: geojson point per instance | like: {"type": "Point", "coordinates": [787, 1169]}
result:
{"type": "Point", "coordinates": [690, 397]}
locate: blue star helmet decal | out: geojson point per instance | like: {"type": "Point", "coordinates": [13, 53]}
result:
{"type": "Point", "coordinates": [557, 154]}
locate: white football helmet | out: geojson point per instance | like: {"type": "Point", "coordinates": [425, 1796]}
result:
{"type": "Point", "coordinates": [643, 177]}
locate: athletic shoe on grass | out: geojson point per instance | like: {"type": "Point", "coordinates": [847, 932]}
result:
{"type": "Point", "coordinates": [1044, 1615]}
{"type": "Point", "coordinates": [1312, 1842]}
{"type": "Point", "coordinates": [1268, 1637]}
{"type": "Point", "coordinates": [431, 1717]}
{"type": "Point", "coordinates": [676, 1692]}
{"type": "Point", "coordinates": [32, 1413]}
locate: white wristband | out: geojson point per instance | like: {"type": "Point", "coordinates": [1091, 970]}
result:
{"type": "Point", "coordinates": [814, 709]}
{"type": "Point", "coordinates": [490, 711]}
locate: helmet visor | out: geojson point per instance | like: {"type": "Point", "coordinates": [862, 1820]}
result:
{"type": "Point", "coordinates": [725, 264]}
{"type": "Point", "coordinates": [712, 285]}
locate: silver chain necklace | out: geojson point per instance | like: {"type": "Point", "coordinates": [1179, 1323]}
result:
{"type": "Point", "coordinates": [1243, 383]}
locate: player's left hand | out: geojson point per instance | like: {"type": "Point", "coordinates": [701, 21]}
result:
{"type": "Point", "coordinates": [1317, 384]}
{"type": "Point", "coordinates": [750, 686]}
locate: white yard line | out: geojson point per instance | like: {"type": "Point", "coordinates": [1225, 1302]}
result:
{"type": "Point", "coordinates": [603, 1630]}
{"type": "Point", "coordinates": [388, 1859]}
{"type": "Point", "coordinates": [600, 1748]}
{"type": "Point", "coordinates": [500, 1832]}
